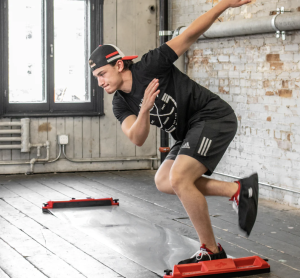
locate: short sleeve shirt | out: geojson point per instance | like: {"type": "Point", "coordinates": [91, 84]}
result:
{"type": "Point", "coordinates": [180, 98]}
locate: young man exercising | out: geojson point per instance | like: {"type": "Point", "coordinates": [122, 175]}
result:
{"type": "Point", "coordinates": [153, 91]}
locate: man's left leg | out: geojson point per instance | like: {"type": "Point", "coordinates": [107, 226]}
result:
{"type": "Point", "coordinates": [183, 175]}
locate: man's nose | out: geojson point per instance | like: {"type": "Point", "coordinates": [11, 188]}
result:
{"type": "Point", "coordinates": [100, 82]}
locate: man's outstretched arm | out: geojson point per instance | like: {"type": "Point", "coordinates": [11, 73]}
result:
{"type": "Point", "coordinates": [182, 43]}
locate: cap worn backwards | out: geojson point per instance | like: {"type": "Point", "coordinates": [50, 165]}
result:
{"type": "Point", "coordinates": [105, 54]}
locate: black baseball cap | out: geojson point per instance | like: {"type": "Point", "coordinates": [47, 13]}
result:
{"type": "Point", "coordinates": [105, 54]}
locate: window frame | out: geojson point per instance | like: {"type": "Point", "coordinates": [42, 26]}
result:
{"type": "Point", "coordinates": [50, 108]}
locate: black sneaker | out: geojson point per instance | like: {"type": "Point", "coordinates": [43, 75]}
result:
{"type": "Point", "coordinates": [248, 202]}
{"type": "Point", "coordinates": [204, 254]}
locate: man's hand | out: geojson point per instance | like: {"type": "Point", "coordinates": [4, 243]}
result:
{"type": "Point", "coordinates": [150, 94]}
{"type": "Point", "coordinates": [236, 3]}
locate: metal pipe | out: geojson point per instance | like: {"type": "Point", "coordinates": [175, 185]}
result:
{"type": "Point", "coordinates": [10, 139]}
{"type": "Point", "coordinates": [163, 26]}
{"type": "Point", "coordinates": [5, 131]}
{"type": "Point", "coordinates": [257, 25]}
{"type": "Point", "coordinates": [10, 124]}
{"type": "Point", "coordinates": [34, 160]}
{"type": "Point", "coordinates": [10, 147]}
{"type": "Point", "coordinates": [113, 159]}
{"type": "Point", "coordinates": [28, 162]}
{"type": "Point", "coordinates": [262, 183]}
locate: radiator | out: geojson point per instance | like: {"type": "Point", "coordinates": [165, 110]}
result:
{"type": "Point", "coordinates": [20, 135]}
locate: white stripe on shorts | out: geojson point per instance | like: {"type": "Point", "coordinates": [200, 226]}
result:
{"type": "Point", "coordinates": [205, 144]}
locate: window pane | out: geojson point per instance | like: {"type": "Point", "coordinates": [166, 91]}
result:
{"type": "Point", "coordinates": [70, 51]}
{"type": "Point", "coordinates": [25, 59]}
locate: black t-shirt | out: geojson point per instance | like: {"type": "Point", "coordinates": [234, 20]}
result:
{"type": "Point", "coordinates": [180, 98]}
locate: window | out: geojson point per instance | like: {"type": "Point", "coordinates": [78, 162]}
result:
{"type": "Point", "coordinates": [45, 46]}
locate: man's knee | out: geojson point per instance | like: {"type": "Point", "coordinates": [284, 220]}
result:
{"type": "Point", "coordinates": [160, 179]}
{"type": "Point", "coordinates": [177, 181]}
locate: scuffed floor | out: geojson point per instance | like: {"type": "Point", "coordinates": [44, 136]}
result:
{"type": "Point", "coordinates": [33, 244]}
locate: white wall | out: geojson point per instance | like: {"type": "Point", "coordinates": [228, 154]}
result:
{"type": "Point", "coordinates": [259, 76]}
{"type": "Point", "coordinates": [131, 26]}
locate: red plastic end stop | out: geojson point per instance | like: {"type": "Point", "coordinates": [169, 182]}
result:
{"type": "Point", "coordinates": [218, 268]}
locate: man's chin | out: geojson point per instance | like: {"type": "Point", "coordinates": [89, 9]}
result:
{"type": "Point", "coordinates": [109, 91]}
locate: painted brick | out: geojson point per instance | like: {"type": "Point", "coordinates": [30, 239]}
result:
{"type": "Point", "coordinates": [259, 76]}
{"type": "Point", "coordinates": [213, 60]}
{"type": "Point", "coordinates": [286, 57]}
{"type": "Point", "coordinates": [234, 74]}
{"type": "Point", "coordinates": [223, 58]}
{"type": "Point", "coordinates": [292, 47]}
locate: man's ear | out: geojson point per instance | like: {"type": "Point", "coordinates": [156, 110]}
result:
{"type": "Point", "coordinates": [120, 65]}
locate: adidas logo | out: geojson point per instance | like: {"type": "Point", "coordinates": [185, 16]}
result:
{"type": "Point", "coordinates": [186, 146]}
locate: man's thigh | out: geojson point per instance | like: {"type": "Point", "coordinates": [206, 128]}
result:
{"type": "Point", "coordinates": [207, 141]}
{"type": "Point", "coordinates": [187, 169]}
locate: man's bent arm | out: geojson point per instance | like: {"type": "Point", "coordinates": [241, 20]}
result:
{"type": "Point", "coordinates": [137, 128]}
{"type": "Point", "coordinates": [182, 43]}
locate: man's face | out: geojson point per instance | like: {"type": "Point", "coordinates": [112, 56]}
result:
{"type": "Point", "coordinates": [108, 77]}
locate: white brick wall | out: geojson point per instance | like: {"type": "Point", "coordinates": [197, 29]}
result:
{"type": "Point", "coordinates": [259, 76]}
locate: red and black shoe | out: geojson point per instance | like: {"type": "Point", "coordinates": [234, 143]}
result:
{"type": "Point", "coordinates": [245, 202]}
{"type": "Point", "coordinates": [204, 254]}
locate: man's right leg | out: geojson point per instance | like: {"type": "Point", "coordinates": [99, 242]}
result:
{"type": "Point", "coordinates": [208, 187]}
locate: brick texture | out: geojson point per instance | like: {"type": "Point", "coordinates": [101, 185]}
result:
{"type": "Point", "coordinates": [259, 76]}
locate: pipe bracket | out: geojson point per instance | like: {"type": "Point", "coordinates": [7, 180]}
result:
{"type": "Point", "coordinates": [273, 23]}
{"type": "Point", "coordinates": [165, 33]}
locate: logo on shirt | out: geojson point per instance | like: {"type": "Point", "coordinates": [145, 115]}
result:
{"type": "Point", "coordinates": [164, 112]}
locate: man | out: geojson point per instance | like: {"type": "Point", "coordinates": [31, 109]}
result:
{"type": "Point", "coordinates": [153, 91]}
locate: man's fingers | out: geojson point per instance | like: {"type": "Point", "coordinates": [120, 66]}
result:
{"type": "Point", "coordinates": [154, 95]}
{"type": "Point", "coordinates": [152, 83]}
{"type": "Point", "coordinates": [152, 87]}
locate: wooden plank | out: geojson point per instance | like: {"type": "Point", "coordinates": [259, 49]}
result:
{"type": "Point", "coordinates": [60, 125]}
{"type": "Point", "coordinates": [6, 193]}
{"type": "Point", "coordinates": [146, 40]}
{"type": "Point", "coordinates": [34, 139]}
{"type": "Point", "coordinates": [3, 274]}
{"type": "Point", "coordinates": [70, 132]}
{"type": "Point", "coordinates": [98, 259]}
{"type": "Point", "coordinates": [15, 265]}
{"type": "Point", "coordinates": [36, 253]}
{"type": "Point", "coordinates": [52, 137]}
{"type": "Point", "coordinates": [42, 136]}
{"type": "Point", "coordinates": [110, 21]}
{"type": "Point", "coordinates": [80, 263]}
{"type": "Point", "coordinates": [145, 27]}
{"type": "Point", "coordinates": [78, 137]}
{"type": "Point", "coordinates": [87, 137]}
{"type": "Point", "coordinates": [26, 186]}
{"type": "Point", "coordinates": [95, 137]}
{"type": "Point", "coordinates": [108, 122]}
{"type": "Point", "coordinates": [126, 37]}
{"type": "Point", "coordinates": [48, 181]}
{"type": "Point", "coordinates": [149, 147]}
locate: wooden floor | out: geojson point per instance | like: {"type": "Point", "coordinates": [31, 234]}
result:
{"type": "Point", "coordinates": [33, 244]}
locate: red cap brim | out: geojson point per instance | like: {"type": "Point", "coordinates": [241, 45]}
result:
{"type": "Point", "coordinates": [130, 57]}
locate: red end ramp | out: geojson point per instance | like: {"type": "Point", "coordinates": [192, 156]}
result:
{"type": "Point", "coordinates": [221, 268]}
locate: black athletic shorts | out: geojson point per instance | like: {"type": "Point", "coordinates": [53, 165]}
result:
{"type": "Point", "coordinates": [206, 141]}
